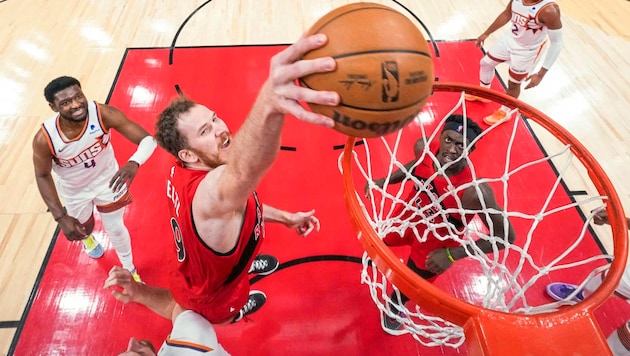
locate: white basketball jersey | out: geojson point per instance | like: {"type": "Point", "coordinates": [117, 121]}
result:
{"type": "Point", "coordinates": [85, 160]}
{"type": "Point", "coordinates": [526, 30]}
{"type": "Point", "coordinates": [192, 335]}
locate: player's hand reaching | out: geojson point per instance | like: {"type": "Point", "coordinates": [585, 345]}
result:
{"type": "Point", "coordinates": [303, 222]}
{"type": "Point", "coordinates": [438, 261]}
{"type": "Point", "coordinates": [281, 90]}
{"type": "Point", "coordinates": [125, 175]}
{"type": "Point", "coordinates": [480, 40]}
{"type": "Point", "coordinates": [128, 289]}
{"type": "Point", "coordinates": [72, 228]}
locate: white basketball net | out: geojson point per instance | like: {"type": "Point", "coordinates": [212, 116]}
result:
{"type": "Point", "coordinates": [509, 273]}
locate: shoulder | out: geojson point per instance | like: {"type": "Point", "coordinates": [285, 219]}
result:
{"type": "Point", "coordinates": [193, 333]}
{"type": "Point", "coordinates": [549, 14]}
{"type": "Point", "coordinates": [40, 140]}
{"type": "Point", "coordinates": [111, 115]}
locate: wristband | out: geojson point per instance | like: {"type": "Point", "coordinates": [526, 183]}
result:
{"type": "Point", "coordinates": [448, 254]}
{"type": "Point", "coordinates": [145, 149]}
{"type": "Point", "coordinates": [64, 213]}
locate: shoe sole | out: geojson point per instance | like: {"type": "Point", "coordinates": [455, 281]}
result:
{"type": "Point", "coordinates": [95, 256]}
{"type": "Point", "coordinates": [555, 297]}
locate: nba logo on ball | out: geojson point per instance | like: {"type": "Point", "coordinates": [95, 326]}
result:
{"type": "Point", "coordinates": [384, 69]}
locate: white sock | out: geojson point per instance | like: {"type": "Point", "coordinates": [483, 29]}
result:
{"type": "Point", "coordinates": [119, 237]}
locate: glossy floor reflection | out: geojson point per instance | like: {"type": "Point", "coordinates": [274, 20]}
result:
{"type": "Point", "coordinates": [316, 303]}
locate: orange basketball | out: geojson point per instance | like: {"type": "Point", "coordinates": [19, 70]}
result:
{"type": "Point", "coordinates": [384, 69]}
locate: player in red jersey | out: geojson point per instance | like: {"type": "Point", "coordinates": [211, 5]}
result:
{"type": "Point", "coordinates": [216, 217]}
{"type": "Point", "coordinates": [437, 194]}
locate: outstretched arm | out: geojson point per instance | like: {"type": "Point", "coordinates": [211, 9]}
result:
{"type": "Point", "coordinates": [116, 119]}
{"type": "Point", "coordinates": [124, 288]}
{"type": "Point", "coordinates": [503, 18]}
{"type": "Point", "coordinates": [400, 174]}
{"type": "Point", "coordinates": [303, 221]}
{"type": "Point", "coordinates": [256, 144]}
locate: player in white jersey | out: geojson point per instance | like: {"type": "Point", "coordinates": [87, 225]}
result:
{"type": "Point", "coordinates": [533, 23]}
{"type": "Point", "coordinates": [191, 335]}
{"type": "Point", "coordinates": [618, 340]}
{"type": "Point", "coordinates": [75, 145]}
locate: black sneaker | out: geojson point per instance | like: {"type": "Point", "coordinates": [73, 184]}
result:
{"type": "Point", "coordinates": [263, 265]}
{"type": "Point", "coordinates": [392, 325]}
{"type": "Point", "coordinates": [256, 300]}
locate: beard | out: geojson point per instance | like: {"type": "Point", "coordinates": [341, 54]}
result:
{"type": "Point", "coordinates": [211, 161]}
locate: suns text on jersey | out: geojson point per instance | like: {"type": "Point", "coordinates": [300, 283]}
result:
{"type": "Point", "coordinates": [87, 154]}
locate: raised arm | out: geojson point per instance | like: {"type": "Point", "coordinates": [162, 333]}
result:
{"type": "Point", "coordinates": [124, 288]}
{"type": "Point", "coordinates": [257, 143]}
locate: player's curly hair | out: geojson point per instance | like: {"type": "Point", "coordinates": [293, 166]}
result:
{"type": "Point", "coordinates": [58, 84]}
{"type": "Point", "coordinates": [166, 133]}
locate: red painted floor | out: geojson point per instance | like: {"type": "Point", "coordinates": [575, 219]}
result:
{"type": "Point", "coordinates": [316, 304]}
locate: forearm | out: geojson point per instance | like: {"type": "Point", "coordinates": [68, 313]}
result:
{"type": "Point", "coordinates": [499, 22]}
{"type": "Point", "coordinates": [274, 215]}
{"type": "Point", "coordinates": [556, 43]}
{"type": "Point", "coordinates": [145, 149]}
{"type": "Point", "coordinates": [159, 300]}
{"type": "Point", "coordinates": [256, 144]}
{"type": "Point", "coordinates": [49, 195]}
{"type": "Point", "coordinates": [400, 174]}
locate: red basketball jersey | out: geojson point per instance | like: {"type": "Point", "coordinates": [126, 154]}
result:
{"type": "Point", "coordinates": [436, 195]}
{"type": "Point", "coordinates": [210, 283]}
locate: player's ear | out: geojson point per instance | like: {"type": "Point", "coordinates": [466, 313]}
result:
{"type": "Point", "coordinates": [52, 107]}
{"type": "Point", "coordinates": [187, 156]}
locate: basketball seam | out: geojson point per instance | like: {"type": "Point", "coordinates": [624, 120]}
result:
{"type": "Point", "coordinates": [382, 110]}
{"type": "Point", "coordinates": [360, 9]}
{"type": "Point", "coordinates": [425, 54]}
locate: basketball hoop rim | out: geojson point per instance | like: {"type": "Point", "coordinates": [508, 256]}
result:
{"type": "Point", "coordinates": [461, 312]}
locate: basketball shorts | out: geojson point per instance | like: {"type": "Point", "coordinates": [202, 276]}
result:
{"type": "Point", "coordinates": [522, 60]}
{"type": "Point", "coordinates": [80, 204]}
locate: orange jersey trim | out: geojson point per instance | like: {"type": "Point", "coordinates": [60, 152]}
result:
{"type": "Point", "coordinates": [120, 203]}
{"type": "Point", "coordinates": [48, 140]}
{"type": "Point", "coordinates": [63, 136]}
{"type": "Point", "coordinates": [100, 118]}
{"type": "Point", "coordinates": [189, 345]}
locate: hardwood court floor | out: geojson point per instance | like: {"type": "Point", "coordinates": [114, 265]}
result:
{"type": "Point", "coordinates": [586, 91]}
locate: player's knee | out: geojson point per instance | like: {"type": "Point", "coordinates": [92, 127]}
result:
{"type": "Point", "coordinates": [516, 77]}
{"type": "Point", "coordinates": [487, 63]}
